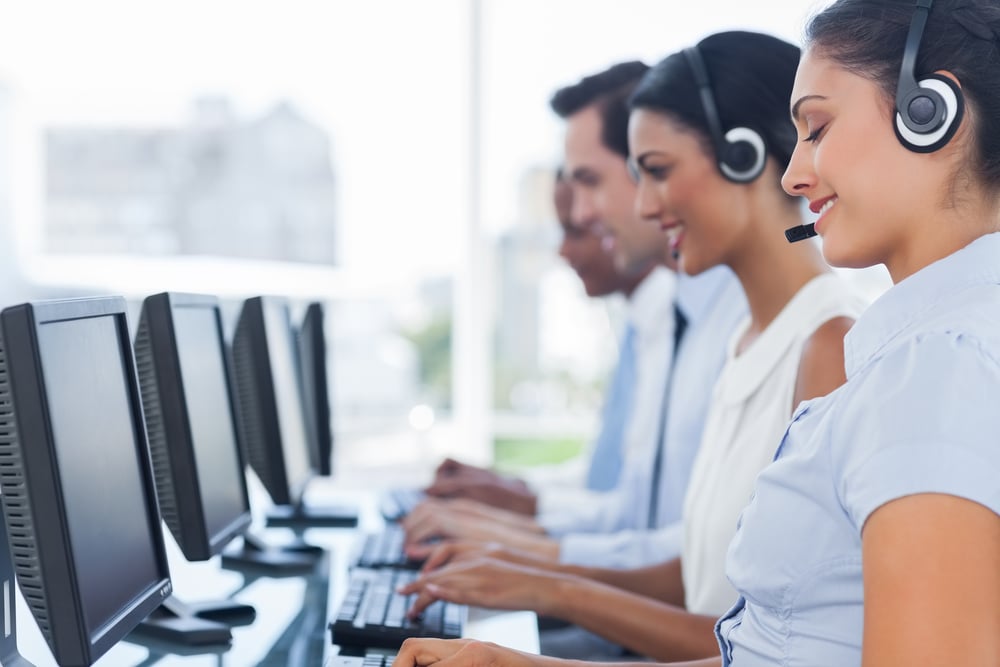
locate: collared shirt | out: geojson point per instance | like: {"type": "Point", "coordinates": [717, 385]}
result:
{"type": "Point", "coordinates": [918, 414]}
{"type": "Point", "coordinates": [618, 535]}
{"type": "Point", "coordinates": [649, 313]}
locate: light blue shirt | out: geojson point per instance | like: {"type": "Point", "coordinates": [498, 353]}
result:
{"type": "Point", "coordinates": [714, 304]}
{"type": "Point", "coordinates": [918, 414]}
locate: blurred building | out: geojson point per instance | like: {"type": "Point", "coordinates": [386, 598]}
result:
{"type": "Point", "coordinates": [218, 185]}
{"type": "Point", "coordinates": [525, 253]}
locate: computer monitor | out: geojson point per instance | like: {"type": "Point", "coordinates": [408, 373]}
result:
{"type": "Point", "coordinates": [79, 500]}
{"type": "Point", "coordinates": [312, 365]}
{"type": "Point", "coordinates": [183, 373]}
{"type": "Point", "coordinates": [270, 410]}
{"type": "Point", "coordinates": [180, 358]}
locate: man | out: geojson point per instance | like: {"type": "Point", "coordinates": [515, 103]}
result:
{"type": "Point", "coordinates": [639, 523]}
{"type": "Point", "coordinates": [602, 274]}
{"type": "Point", "coordinates": [597, 197]}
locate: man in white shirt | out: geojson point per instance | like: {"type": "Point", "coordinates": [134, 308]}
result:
{"type": "Point", "coordinates": [601, 197]}
{"type": "Point", "coordinates": [638, 523]}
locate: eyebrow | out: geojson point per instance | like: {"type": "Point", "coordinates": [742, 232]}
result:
{"type": "Point", "coordinates": [798, 103]}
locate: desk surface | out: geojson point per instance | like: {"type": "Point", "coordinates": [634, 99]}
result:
{"type": "Point", "coordinates": [292, 612]}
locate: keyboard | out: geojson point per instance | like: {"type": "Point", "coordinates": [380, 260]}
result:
{"type": "Point", "coordinates": [373, 615]}
{"type": "Point", "coordinates": [397, 503]}
{"type": "Point", "coordinates": [370, 659]}
{"type": "Point", "coordinates": [385, 549]}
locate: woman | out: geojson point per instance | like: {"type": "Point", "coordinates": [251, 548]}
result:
{"type": "Point", "coordinates": [720, 204]}
{"type": "Point", "coordinates": [874, 537]}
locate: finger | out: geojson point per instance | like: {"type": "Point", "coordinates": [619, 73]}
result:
{"type": "Point", "coordinates": [438, 556]}
{"type": "Point", "coordinates": [425, 598]}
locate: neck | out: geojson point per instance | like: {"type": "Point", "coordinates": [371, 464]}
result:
{"type": "Point", "coordinates": [772, 272]}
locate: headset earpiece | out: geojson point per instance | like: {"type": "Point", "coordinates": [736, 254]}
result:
{"type": "Point", "coordinates": [930, 114]}
{"type": "Point", "coordinates": [929, 111]}
{"type": "Point", "coordinates": [740, 152]}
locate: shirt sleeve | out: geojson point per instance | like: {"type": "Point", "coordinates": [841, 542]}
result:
{"type": "Point", "coordinates": [629, 548]}
{"type": "Point", "coordinates": [927, 420]}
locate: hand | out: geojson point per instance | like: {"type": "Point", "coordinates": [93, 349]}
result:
{"type": "Point", "coordinates": [460, 652]}
{"type": "Point", "coordinates": [435, 518]}
{"type": "Point", "coordinates": [509, 494]}
{"type": "Point", "coordinates": [458, 551]}
{"type": "Point", "coordinates": [485, 583]}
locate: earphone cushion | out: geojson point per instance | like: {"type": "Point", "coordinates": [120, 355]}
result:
{"type": "Point", "coordinates": [744, 156]}
{"type": "Point", "coordinates": [954, 103]}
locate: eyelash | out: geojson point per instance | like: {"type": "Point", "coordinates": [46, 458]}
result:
{"type": "Point", "coordinates": [814, 135]}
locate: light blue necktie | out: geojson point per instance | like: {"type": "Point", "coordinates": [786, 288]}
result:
{"type": "Point", "coordinates": [606, 461]}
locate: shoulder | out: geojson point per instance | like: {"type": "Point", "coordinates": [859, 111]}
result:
{"type": "Point", "coordinates": [821, 366]}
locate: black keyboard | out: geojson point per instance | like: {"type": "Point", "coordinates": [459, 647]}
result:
{"type": "Point", "coordinates": [385, 549]}
{"type": "Point", "coordinates": [366, 660]}
{"type": "Point", "coordinates": [373, 615]}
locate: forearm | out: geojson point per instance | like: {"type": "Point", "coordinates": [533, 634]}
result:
{"type": "Point", "coordinates": [661, 581]}
{"type": "Point", "coordinates": [640, 623]}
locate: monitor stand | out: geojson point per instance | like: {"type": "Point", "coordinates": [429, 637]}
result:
{"type": "Point", "coordinates": [302, 516]}
{"type": "Point", "coordinates": [256, 555]}
{"type": "Point", "coordinates": [179, 623]}
{"type": "Point", "coordinates": [9, 655]}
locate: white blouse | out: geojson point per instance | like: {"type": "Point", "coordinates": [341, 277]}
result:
{"type": "Point", "coordinates": [751, 406]}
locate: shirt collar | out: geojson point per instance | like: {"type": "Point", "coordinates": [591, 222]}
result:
{"type": "Point", "coordinates": [906, 302]}
{"type": "Point", "coordinates": [649, 306]}
{"type": "Point", "coordinates": [696, 295]}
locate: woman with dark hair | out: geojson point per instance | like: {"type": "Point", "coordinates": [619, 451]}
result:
{"type": "Point", "coordinates": [709, 137]}
{"type": "Point", "coordinates": [874, 536]}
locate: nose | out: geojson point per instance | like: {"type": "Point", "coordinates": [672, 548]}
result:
{"type": "Point", "coordinates": [583, 213]}
{"type": "Point", "coordinates": [799, 176]}
{"type": "Point", "coordinates": [647, 203]}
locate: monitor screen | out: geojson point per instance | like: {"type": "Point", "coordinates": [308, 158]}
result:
{"type": "Point", "coordinates": [269, 401]}
{"type": "Point", "coordinates": [99, 467]}
{"type": "Point", "coordinates": [213, 433]}
{"type": "Point", "coordinates": [79, 497]}
{"type": "Point", "coordinates": [288, 397]}
{"type": "Point", "coordinates": [312, 360]}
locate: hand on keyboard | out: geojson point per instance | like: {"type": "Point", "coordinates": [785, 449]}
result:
{"type": "Point", "coordinates": [373, 612]}
{"type": "Point", "coordinates": [463, 519]}
{"type": "Point", "coordinates": [486, 583]}
{"type": "Point", "coordinates": [466, 652]}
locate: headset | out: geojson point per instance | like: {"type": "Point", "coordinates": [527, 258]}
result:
{"type": "Point", "coordinates": [740, 152]}
{"type": "Point", "coordinates": [929, 111]}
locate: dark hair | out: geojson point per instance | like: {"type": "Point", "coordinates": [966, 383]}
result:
{"type": "Point", "coordinates": [751, 76]}
{"type": "Point", "coordinates": [867, 37]}
{"type": "Point", "coordinates": [609, 91]}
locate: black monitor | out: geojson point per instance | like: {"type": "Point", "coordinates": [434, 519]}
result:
{"type": "Point", "coordinates": [273, 421]}
{"type": "Point", "coordinates": [184, 377]}
{"type": "Point", "coordinates": [180, 358]}
{"type": "Point", "coordinates": [312, 364]}
{"type": "Point", "coordinates": [79, 500]}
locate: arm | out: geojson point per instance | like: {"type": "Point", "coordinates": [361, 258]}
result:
{"type": "Point", "coordinates": [931, 583]}
{"type": "Point", "coordinates": [821, 369]}
{"type": "Point", "coordinates": [640, 623]}
{"type": "Point", "coordinates": [661, 581]}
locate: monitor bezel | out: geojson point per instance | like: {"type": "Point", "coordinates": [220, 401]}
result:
{"type": "Point", "coordinates": [191, 529]}
{"type": "Point", "coordinates": [67, 634]}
